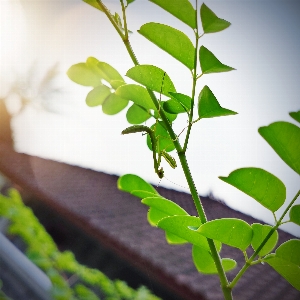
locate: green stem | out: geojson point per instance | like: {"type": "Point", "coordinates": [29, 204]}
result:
{"type": "Point", "coordinates": [249, 261]}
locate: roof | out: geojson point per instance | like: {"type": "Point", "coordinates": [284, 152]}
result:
{"type": "Point", "coordinates": [91, 200]}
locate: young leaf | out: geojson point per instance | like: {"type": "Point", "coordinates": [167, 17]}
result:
{"type": "Point", "coordinates": [113, 104]}
{"type": "Point", "coordinates": [259, 234]}
{"type": "Point", "coordinates": [129, 183]}
{"type": "Point", "coordinates": [173, 107]}
{"type": "Point", "coordinates": [143, 194]}
{"type": "Point", "coordinates": [295, 214]}
{"type": "Point", "coordinates": [137, 94]}
{"type": "Point", "coordinates": [209, 107]}
{"type": "Point", "coordinates": [295, 115]}
{"type": "Point", "coordinates": [174, 239]}
{"type": "Point", "coordinates": [259, 184]}
{"type": "Point", "coordinates": [171, 40]}
{"type": "Point", "coordinates": [111, 75]}
{"type": "Point", "coordinates": [286, 269]}
{"type": "Point", "coordinates": [164, 142]}
{"type": "Point", "coordinates": [137, 114]}
{"type": "Point", "coordinates": [93, 3]}
{"type": "Point", "coordinates": [233, 232]}
{"type": "Point", "coordinates": [182, 99]}
{"type": "Point", "coordinates": [181, 9]}
{"type": "Point", "coordinates": [284, 138]}
{"type": "Point", "coordinates": [205, 263]}
{"type": "Point", "coordinates": [152, 77]}
{"type": "Point", "coordinates": [97, 96]}
{"type": "Point", "coordinates": [161, 208]}
{"type": "Point", "coordinates": [210, 64]}
{"type": "Point", "coordinates": [289, 251]}
{"type": "Point", "coordinates": [210, 22]}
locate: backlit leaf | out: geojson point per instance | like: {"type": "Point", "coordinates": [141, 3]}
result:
{"type": "Point", "coordinates": [209, 107]}
{"type": "Point", "coordinates": [164, 142]}
{"type": "Point", "coordinates": [259, 184]}
{"type": "Point", "coordinates": [284, 138]}
{"type": "Point", "coordinates": [161, 208]}
{"type": "Point", "coordinates": [210, 22]}
{"type": "Point", "coordinates": [129, 183]}
{"type": "Point", "coordinates": [286, 269]}
{"type": "Point", "coordinates": [290, 251]}
{"type": "Point", "coordinates": [295, 115]}
{"type": "Point", "coordinates": [113, 104]}
{"type": "Point", "coordinates": [143, 194]}
{"type": "Point", "coordinates": [174, 239]}
{"type": "Point", "coordinates": [183, 99]}
{"type": "Point", "coordinates": [210, 64]}
{"type": "Point", "coordinates": [137, 115]}
{"type": "Point", "coordinates": [233, 232]}
{"type": "Point", "coordinates": [181, 9]}
{"type": "Point", "coordinates": [205, 263]}
{"type": "Point", "coordinates": [136, 93]}
{"type": "Point", "coordinates": [93, 3]}
{"type": "Point", "coordinates": [152, 77]}
{"type": "Point", "coordinates": [295, 214]}
{"type": "Point", "coordinates": [179, 103]}
{"type": "Point", "coordinates": [259, 234]}
{"type": "Point", "coordinates": [97, 96]}
{"type": "Point", "coordinates": [112, 76]}
{"type": "Point", "coordinates": [171, 40]}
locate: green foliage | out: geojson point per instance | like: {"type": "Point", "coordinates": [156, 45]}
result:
{"type": "Point", "coordinates": [295, 115]}
{"type": "Point", "coordinates": [295, 214]}
{"type": "Point", "coordinates": [179, 103]}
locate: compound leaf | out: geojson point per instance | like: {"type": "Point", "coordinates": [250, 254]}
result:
{"type": "Point", "coordinates": [284, 138]}
{"type": "Point", "coordinates": [113, 104]}
{"type": "Point", "coordinates": [289, 251]}
{"type": "Point", "coordinates": [181, 9]}
{"type": "Point", "coordinates": [152, 77]}
{"type": "Point", "coordinates": [210, 64]}
{"type": "Point", "coordinates": [111, 75]}
{"type": "Point", "coordinates": [210, 22]}
{"type": "Point", "coordinates": [209, 107]}
{"type": "Point", "coordinates": [259, 234]}
{"type": "Point", "coordinates": [171, 40]}
{"type": "Point", "coordinates": [295, 214]}
{"type": "Point", "coordinates": [233, 232]}
{"type": "Point", "coordinates": [259, 184]}
{"type": "Point", "coordinates": [130, 183]}
{"type": "Point", "coordinates": [295, 115]}
{"type": "Point", "coordinates": [137, 114]}
{"type": "Point", "coordinates": [97, 95]}
{"type": "Point", "coordinates": [205, 263]}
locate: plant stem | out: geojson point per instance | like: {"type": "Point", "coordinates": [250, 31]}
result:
{"type": "Point", "coordinates": [249, 261]}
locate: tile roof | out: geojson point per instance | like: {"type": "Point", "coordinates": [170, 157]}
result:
{"type": "Point", "coordinates": [92, 201]}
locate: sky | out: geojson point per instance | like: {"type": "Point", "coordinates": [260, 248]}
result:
{"type": "Point", "coordinates": [262, 44]}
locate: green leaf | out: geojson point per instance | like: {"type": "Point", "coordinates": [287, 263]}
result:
{"type": "Point", "coordinates": [210, 64]}
{"type": "Point", "coordinates": [181, 9]}
{"type": "Point", "coordinates": [153, 78]}
{"type": "Point", "coordinates": [210, 22]}
{"type": "Point", "coordinates": [259, 184]}
{"type": "Point", "coordinates": [129, 183]}
{"type": "Point", "coordinates": [171, 40]}
{"type": "Point", "coordinates": [113, 104]}
{"type": "Point", "coordinates": [209, 107]}
{"type": "Point", "coordinates": [164, 141]}
{"type": "Point", "coordinates": [97, 95]}
{"type": "Point", "coordinates": [171, 117]}
{"type": "Point", "coordinates": [183, 99]}
{"type": "Point", "coordinates": [295, 214]}
{"type": "Point", "coordinates": [137, 114]}
{"type": "Point", "coordinates": [143, 194]}
{"type": "Point", "coordinates": [284, 138]}
{"type": "Point", "coordinates": [233, 232]}
{"type": "Point", "coordinates": [111, 75]}
{"type": "Point", "coordinates": [179, 104]}
{"type": "Point", "coordinates": [93, 3]}
{"type": "Point", "coordinates": [295, 115]}
{"type": "Point", "coordinates": [161, 208]}
{"type": "Point", "coordinates": [289, 251]}
{"type": "Point", "coordinates": [85, 293]}
{"type": "Point", "coordinates": [174, 239]}
{"type": "Point", "coordinates": [286, 269]}
{"type": "Point", "coordinates": [259, 234]}
{"type": "Point", "coordinates": [136, 93]}
{"type": "Point", "coordinates": [205, 263]}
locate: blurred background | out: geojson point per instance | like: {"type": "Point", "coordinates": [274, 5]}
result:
{"type": "Point", "coordinates": [41, 39]}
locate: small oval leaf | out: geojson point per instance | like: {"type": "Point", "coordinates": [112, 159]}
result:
{"type": "Point", "coordinates": [111, 75]}
{"type": "Point", "coordinates": [181, 9]}
{"type": "Point", "coordinates": [259, 234]}
{"type": "Point", "coordinates": [295, 214]}
{"type": "Point", "coordinates": [210, 22]}
{"type": "Point", "coordinates": [171, 40]}
{"type": "Point", "coordinates": [113, 104]}
{"type": "Point", "coordinates": [233, 232]}
{"type": "Point", "coordinates": [210, 64]}
{"type": "Point", "coordinates": [259, 184]}
{"type": "Point", "coordinates": [290, 251]}
{"type": "Point", "coordinates": [152, 77]}
{"type": "Point", "coordinates": [137, 114]}
{"type": "Point", "coordinates": [183, 99]}
{"type": "Point", "coordinates": [209, 107]}
{"type": "Point", "coordinates": [93, 3]}
{"type": "Point", "coordinates": [295, 115]}
{"type": "Point", "coordinates": [284, 138]}
{"type": "Point", "coordinates": [129, 183]}
{"type": "Point", "coordinates": [97, 95]}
